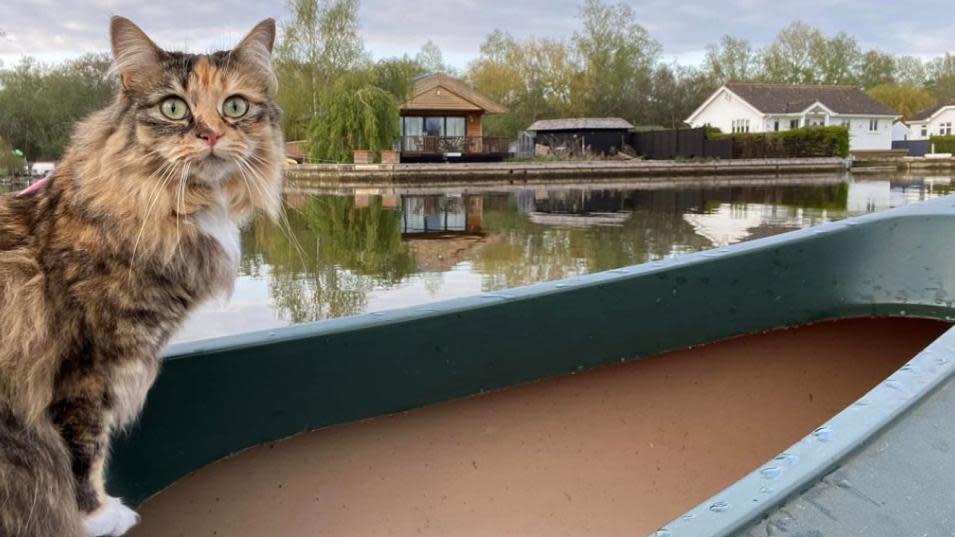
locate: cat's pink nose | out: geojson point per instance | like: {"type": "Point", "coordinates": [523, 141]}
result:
{"type": "Point", "coordinates": [210, 136]}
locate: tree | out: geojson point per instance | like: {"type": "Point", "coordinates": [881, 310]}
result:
{"type": "Point", "coordinates": [876, 68]}
{"type": "Point", "coordinates": [789, 59]}
{"type": "Point", "coordinates": [731, 60]}
{"type": "Point", "coordinates": [618, 56]}
{"type": "Point", "coordinates": [396, 76]}
{"type": "Point", "coordinates": [39, 104]}
{"type": "Point", "coordinates": [835, 59]}
{"type": "Point", "coordinates": [911, 71]}
{"type": "Point", "coordinates": [319, 42]}
{"type": "Point", "coordinates": [942, 78]}
{"type": "Point", "coordinates": [431, 59]}
{"type": "Point", "coordinates": [354, 114]}
{"type": "Point", "coordinates": [677, 92]}
{"type": "Point", "coordinates": [904, 99]}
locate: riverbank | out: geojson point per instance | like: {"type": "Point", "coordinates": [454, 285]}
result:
{"type": "Point", "coordinates": [551, 172]}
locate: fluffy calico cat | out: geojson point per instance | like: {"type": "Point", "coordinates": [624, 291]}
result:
{"type": "Point", "coordinates": [98, 267]}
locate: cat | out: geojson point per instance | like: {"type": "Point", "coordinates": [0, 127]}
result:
{"type": "Point", "coordinates": [99, 265]}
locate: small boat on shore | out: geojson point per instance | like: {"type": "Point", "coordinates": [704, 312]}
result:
{"type": "Point", "coordinates": [800, 380]}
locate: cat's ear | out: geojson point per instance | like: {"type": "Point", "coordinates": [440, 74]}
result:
{"type": "Point", "coordinates": [255, 49]}
{"type": "Point", "coordinates": [135, 57]}
{"type": "Point", "coordinates": [260, 39]}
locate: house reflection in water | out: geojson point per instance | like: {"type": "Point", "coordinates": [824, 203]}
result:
{"type": "Point", "coordinates": [442, 215]}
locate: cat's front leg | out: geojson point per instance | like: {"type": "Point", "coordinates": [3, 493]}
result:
{"type": "Point", "coordinates": [83, 422]}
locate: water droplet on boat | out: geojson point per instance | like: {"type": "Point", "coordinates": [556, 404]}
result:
{"type": "Point", "coordinates": [788, 458]}
{"type": "Point", "coordinates": [861, 403]}
{"type": "Point", "coordinates": [894, 384]}
{"type": "Point", "coordinates": [720, 507]}
{"type": "Point", "coordinates": [378, 313]}
{"type": "Point", "coordinates": [771, 472]}
{"type": "Point", "coordinates": [561, 285]}
{"type": "Point", "coordinates": [688, 517]}
{"type": "Point", "coordinates": [901, 312]}
{"type": "Point", "coordinates": [823, 434]}
{"type": "Point", "coordinates": [765, 490]}
{"type": "Point", "coordinates": [662, 532]}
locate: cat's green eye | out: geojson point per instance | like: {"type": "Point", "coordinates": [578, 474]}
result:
{"type": "Point", "coordinates": [235, 107]}
{"type": "Point", "coordinates": [174, 108]}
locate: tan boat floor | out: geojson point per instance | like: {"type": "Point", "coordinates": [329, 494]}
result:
{"type": "Point", "coordinates": [619, 450]}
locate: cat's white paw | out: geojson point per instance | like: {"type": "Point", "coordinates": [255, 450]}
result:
{"type": "Point", "coordinates": [113, 519]}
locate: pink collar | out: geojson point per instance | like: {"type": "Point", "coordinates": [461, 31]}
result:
{"type": "Point", "coordinates": [34, 187]}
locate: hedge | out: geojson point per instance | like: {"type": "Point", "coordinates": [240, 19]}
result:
{"type": "Point", "coordinates": [943, 144]}
{"type": "Point", "coordinates": [803, 142]}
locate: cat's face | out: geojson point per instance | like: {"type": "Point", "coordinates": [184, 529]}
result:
{"type": "Point", "coordinates": [203, 118]}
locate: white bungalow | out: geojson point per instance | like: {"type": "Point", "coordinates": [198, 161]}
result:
{"type": "Point", "coordinates": [747, 107]}
{"type": "Point", "coordinates": [936, 121]}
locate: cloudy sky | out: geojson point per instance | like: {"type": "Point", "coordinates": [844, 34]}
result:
{"type": "Point", "coordinates": [52, 30]}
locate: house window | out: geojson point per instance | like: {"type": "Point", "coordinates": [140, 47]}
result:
{"type": "Point", "coordinates": [924, 131]}
{"type": "Point", "coordinates": [793, 123]}
{"type": "Point", "coordinates": [740, 125]}
{"type": "Point", "coordinates": [454, 126]}
{"type": "Point", "coordinates": [846, 123]}
{"type": "Point", "coordinates": [873, 125]}
{"type": "Point", "coordinates": [945, 129]}
{"type": "Point", "coordinates": [776, 125]}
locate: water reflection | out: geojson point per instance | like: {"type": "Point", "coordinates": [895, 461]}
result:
{"type": "Point", "coordinates": [366, 251]}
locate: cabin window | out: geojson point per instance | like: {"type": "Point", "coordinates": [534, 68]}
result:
{"type": "Point", "coordinates": [945, 129]}
{"type": "Point", "coordinates": [434, 126]}
{"type": "Point", "coordinates": [412, 126]}
{"type": "Point", "coordinates": [873, 125]}
{"type": "Point", "coordinates": [454, 126]}
{"type": "Point", "coordinates": [793, 123]}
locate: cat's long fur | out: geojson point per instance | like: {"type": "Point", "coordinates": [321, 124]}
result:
{"type": "Point", "coordinates": [101, 265]}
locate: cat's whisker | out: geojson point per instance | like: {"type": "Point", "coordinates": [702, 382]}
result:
{"type": "Point", "coordinates": [165, 174]}
{"type": "Point", "coordinates": [284, 225]}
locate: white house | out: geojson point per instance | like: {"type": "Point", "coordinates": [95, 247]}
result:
{"type": "Point", "coordinates": [748, 107]}
{"type": "Point", "coordinates": [936, 121]}
{"type": "Point", "coordinates": [900, 131]}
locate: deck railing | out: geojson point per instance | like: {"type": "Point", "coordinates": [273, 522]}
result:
{"type": "Point", "coordinates": [466, 145]}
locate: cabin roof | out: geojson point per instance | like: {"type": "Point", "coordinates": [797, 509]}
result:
{"type": "Point", "coordinates": [929, 112]}
{"type": "Point", "coordinates": [794, 98]}
{"type": "Point", "coordinates": [580, 123]}
{"type": "Point", "coordinates": [438, 91]}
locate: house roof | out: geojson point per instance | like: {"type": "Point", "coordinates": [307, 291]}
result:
{"type": "Point", "coordinates": [438, 91]}
{"type": "Point", "coordinates": [929, 112]}
{"type": "Point", "coordinates": [580, 123]}
{"type": "Point", "coordinates": [791, 99]}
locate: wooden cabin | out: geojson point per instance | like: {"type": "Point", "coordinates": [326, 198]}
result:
{"type": "Point", "coordinates": [442, 121]}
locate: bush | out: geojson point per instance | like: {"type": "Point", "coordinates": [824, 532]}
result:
{"type": "Point", "coordinates": [796, 143]}
{"type": "Point", "coordinates": [943, 144]}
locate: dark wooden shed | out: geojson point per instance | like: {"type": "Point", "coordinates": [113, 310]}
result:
{"type": "Point", "coordinates": [604, 135]}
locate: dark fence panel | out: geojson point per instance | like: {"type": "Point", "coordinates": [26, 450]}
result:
{"type": "Point", "coordinates": [679, 143]}
{"type": "Point", "coordinates": [917, 148]}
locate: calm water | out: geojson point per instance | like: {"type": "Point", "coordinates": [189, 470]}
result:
{"type": "Point", "coordinates": [372, 250]}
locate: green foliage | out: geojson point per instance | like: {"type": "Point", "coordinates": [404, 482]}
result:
{"type": "Point", "coordinates": [39, 104]}
{"type": "Point", "coordinates": [795, 143]}
{"type": "Point", "coordinates": [342, 252]}
{"type": "Point", "coordinates": [904, 99]}
{"type": "Point", "coordinates": [10, 162]}
{"type": "Point", "coordinates": [354, 114]}
{"type": "Point", "coordinates": [943, 144]}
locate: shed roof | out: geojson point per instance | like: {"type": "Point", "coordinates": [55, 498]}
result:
{"type": "Point", "coordinates": [456, 95]}
{"type": "Point", "coordinates": [929, 112]}
{"type": "Point", "coordinates": [580, 123]}
{"type": "Point", "coordinates": [790, 99]}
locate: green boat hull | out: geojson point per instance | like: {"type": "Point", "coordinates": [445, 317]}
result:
{"type": "Point", "coordinates": [217, 397]}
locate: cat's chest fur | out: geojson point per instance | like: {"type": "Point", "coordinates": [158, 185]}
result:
{"type": "Point", "coordinates": [215, 222]}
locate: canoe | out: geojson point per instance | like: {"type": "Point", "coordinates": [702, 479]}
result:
{"type": "Point", "coordinates": [797, 381]}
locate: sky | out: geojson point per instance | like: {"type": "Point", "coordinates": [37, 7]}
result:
{"type": "Point", "coordinates": [52, 31]}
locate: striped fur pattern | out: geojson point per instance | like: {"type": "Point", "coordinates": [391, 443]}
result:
{"type": "Point", "coordinates": [137, 226]}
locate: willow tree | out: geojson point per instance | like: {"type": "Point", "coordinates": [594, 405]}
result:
{"type": "Point", "coordinates": [355, 114]}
